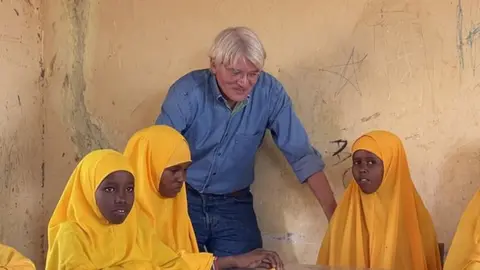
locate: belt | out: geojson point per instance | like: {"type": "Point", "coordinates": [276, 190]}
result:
{"type": "Point", "coordinates": [238, 193]}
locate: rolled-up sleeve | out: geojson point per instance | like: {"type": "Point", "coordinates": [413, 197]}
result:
{"type": "Point", "coordinates": [291, 138]}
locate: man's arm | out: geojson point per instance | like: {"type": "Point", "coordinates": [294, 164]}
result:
{"type": "Point", "coordinates": [319, 185]}
{"type": "Point", "coordinates": [292, 139]}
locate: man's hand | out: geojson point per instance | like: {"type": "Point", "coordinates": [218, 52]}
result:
{"type": "Point", "coordinates": [321, 189]}
{"type": "Point", "coordinates": [258, 258]}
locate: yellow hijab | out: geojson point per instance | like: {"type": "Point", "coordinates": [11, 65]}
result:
{"type": "Point", "coordinates": [150, 151]}
{"type": "Point", "coordinates": [79, 237]}
{"type": "Point", "coordinates": [11, 259]}
{"type": "Point", "coordinates": [388, 229]}
{"type": "Point", "coordinates": [464, 253]}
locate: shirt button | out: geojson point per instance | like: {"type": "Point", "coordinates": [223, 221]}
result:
{"type": "Point", "coordinates": [214, 173]}
{"type": "Point", "coordinates": [219, 154]}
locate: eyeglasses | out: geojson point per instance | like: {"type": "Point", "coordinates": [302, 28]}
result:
{"type": "Point", "coordinates": [238, 74]}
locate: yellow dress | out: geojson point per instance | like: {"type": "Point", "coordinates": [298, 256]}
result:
{"type": "Point", "coordinates": [11, 259]}
{"type": "Point", "coordinates": [79, 237]}
{"type": "Point", "coordinates": [150, 151]}
{"type": "Point", "coordinates": [464, 253]}
{"type": "Point", "coordinates": [388, 229]}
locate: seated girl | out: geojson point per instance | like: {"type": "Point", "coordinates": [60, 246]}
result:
{"type": "Point", "coordinates": [381, 222]}
{"type": "Point", "coordinates": [11, 259]}
{"type": "Point", "coordinates": [95, 225]}
{"type": "Point", "coordinates": [160, 156]}
{"type": "Point", "coordinates": [464, 253]}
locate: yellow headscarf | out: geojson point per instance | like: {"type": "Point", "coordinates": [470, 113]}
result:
{"type": "Point", "coordinates": [388, 229]}
{"type": "Point", "coordinates": [79, 237]}
{"type": "Point", "coordinates": [11, 259]}
{"type": "Point", "coordinates": [150, 151]}
{"type": "Point", "coordinates": [464, 253]}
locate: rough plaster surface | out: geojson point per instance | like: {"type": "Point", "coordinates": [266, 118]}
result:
{"type": "Point", "coordinates": [349, 66]}
{"type": "Point", "coordinates": [22, 221]}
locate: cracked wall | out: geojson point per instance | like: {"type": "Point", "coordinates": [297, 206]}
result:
{"type": "Point", "coordinates": [22, 221]}
{"type": "Point", "coordinates": [349, 67]}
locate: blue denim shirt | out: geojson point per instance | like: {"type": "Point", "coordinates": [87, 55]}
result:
{"type": "Point", "coordinates": [223, 142]}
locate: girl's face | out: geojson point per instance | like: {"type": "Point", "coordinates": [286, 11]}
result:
{"type": "Point", "coordinates": [172, 180]}
{"type": "Point", "coordinates": [115, 196]}
{"type": "Point", "coordinates": [367, 171]}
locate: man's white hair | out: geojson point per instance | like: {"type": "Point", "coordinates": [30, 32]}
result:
{"type": "Point", "coordinates": [235, 42]}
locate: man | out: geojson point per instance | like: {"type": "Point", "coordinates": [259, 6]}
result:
{"type": "Point", "coordinates": [223, 112]}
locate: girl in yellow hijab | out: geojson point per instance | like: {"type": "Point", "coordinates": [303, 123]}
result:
{"type": "Point", "coordinates": [464, 253]}
{"type": "Point", "coordinates": [95, 225]}
{"type": "Point", "coordinates": [11, 259]}
{"type": "Point", "coordinates": [381, 222]}
{"type": "Point", "coordinates": [160, 156]}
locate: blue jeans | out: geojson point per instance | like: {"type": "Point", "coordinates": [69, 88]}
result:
{"type": "Point", "coordinates": [224, 224]}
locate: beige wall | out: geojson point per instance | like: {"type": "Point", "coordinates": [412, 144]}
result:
{"type": "Point", "coordinates": [22, 221]}
{"type": "Point", "coordinates": [349, 66]}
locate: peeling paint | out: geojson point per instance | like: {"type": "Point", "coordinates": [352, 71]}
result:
{"type": "Point", "coordinates": [41, 76]}
{"type": "Point", "coordinates": [413, 136]}
{"type": "Point", "coordinates": [86, 134]}
{"type": "Point", "coordinates": [473, 34]}
{"type": "Point", "coordinates": [287, 237]}
{"type": "Point", "coordinates": [21, 140]}
{"type": "Point", "coordinates": [460, 34]}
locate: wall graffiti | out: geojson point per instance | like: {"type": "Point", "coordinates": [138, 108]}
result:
{"type": "Point", "coordinates": [348, 73]}
{"type": "Point", "coordinates": [342, 156]}
{"type": "Point", "coordinates": [339, 153]}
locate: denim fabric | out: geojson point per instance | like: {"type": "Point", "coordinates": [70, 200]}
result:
{"type": "Point", "coordinates": [224, 142]}
{"type": "Point", "coordinates": [224, 224]}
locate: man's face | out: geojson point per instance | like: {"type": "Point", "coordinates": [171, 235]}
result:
{"type": "Point", "coordinates": [236, 80]}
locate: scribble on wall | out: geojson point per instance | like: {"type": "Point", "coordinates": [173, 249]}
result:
{"type": "Point", "coordinates": [342, 156]}
{"type": "Point", "coordinates": [339, 153]}
{"type": "Point", "coordinates": [472, 34]}
{"type": "Point", "coordinates": [345, 78]}
{"type": "Point", "coordinates": [287, 237]}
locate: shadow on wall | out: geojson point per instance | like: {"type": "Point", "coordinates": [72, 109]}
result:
{"type": "Point", "coordinates": [458, 183]}
{"type": "Point", "coordinates": [291, 219]}
{"type": "Point", "coordinates": [145, 114]}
